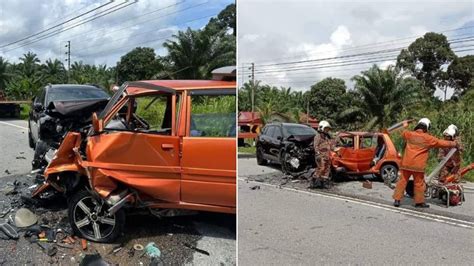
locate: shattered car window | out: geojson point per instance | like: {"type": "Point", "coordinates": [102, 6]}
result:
{"type": "Point", "coordinates": [213, 116]}
{"type": "Point", "coordinates": [298, 130]}
{"type": "Point", "coordinates": [75, 93]}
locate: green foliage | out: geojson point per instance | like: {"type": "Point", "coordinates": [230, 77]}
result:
{"type": "Point", "coordinates": [193, 54]}
{"type": "Point", "coordinates": [424, 59]}
{"type": "Point", "coordinates": [326, 99]}
{"type": "Point", "coordinates": [225, 20]}
{"type": "Point", "coordinates": [270, 100]}
{"type": "Point", "coordinates": [383, 96]}
{"type": "Point", "coordinates": [139, 64]}
{"type": "Point", "coordinates": [24, 111]}
{"type": "Point", "coordinates": [461, 73]}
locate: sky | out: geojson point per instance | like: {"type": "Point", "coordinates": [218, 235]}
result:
{"type": "Point", "coordinates": [276, 31]}
{"type": "Point", "coordinates": [104, 40]}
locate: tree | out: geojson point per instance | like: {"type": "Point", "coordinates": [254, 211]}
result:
{"type": "Point", "coordinates": [425, 57]}
{"type": "Point", "coordinates": [461, 73]}
{"type": "Point", "coordinates": [3, 73]}
{"type": "Point", "coordinates": [225, 20]}
{"type": "Point", "coordinates": [139, 64]}
{"type": "Point", "coordinates": [325, 99]}
{"type": "Point", "coordinates": [53, 71]}
{"type": "Point", "coordinates": [384, 95]}
{"type": "Point", "coordinates": [193, 54]}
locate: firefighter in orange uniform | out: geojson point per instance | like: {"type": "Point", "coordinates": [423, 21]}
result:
{"type": "Point", "coordinates": [453, 165]}
{"type": "Point", "coordinates": [323, 144]}
{"type": "Point", "coordinates": [418, 144]}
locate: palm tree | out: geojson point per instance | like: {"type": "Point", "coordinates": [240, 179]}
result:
{"type": "Point", "coordinates": [29, 65]}
{"type": "Point", "coordinates": [384, 95]}
{"type": "Point", "coordinates": [3, 73]}
{"type": "Point", "coordinates": [54, 71]}
{"type": "Point", "coordinates": [194, 54]}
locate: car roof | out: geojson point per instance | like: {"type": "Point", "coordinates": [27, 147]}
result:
{"type": "Point", "coordinates": [72, 86]}
{"type": "Point", "coordinates": [179, 85]}
{"type": "Point", "coordinates": [358, 133]}
{"type": "Point", "coordinates": [285, 124]}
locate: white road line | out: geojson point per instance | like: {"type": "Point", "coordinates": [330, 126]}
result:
{"type": "Point", "coordinates": [428, 216]}
{"type": "Point", "coordinates": [13, 125]}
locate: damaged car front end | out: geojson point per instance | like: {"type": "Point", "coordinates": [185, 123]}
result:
{"type": "Point", "coordinates": [298, 155]}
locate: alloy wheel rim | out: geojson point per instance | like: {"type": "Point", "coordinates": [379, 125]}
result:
{"type": "Point", "coordinates": [91, 220]}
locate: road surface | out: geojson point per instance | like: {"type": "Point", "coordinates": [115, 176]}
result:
{"type": "Point", "coordinates": [214, 233]}
{"type": "Point", "coordinates": [290, 225]}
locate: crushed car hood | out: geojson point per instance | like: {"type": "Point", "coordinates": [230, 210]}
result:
{"type": "Point", "coordinates": [77, 108]}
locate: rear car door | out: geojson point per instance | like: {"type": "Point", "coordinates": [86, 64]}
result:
{"type": "Point", "coordinates": [366, 152]}
{"type": "Point", "coordinates": [209, 148]}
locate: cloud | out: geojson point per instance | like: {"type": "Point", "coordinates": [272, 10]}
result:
{"type": "Point", "coordinates": [104, 40]}
{"type": "Point", "coordinates": [275, 32]}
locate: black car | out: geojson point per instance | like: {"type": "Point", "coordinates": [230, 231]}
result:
{"type": "Point", "coordinates": [59, 108]}
{"type": "Point", "coordinates": [287, 144]}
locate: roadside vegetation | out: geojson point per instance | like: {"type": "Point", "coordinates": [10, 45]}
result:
{"type": "Point", "coordinates": [382, 97]}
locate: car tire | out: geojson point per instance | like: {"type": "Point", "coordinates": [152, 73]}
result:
{"type": "Point", "coordinates": [259, 155]}
{"type": "Point", "coordinates": [40, 150]}
{"type": "Point", "coordinates": [91, 224]}
{"type": "Point", "coordinates": [390, 172]}
{"type": "Point", "coordinates": [31, 142]}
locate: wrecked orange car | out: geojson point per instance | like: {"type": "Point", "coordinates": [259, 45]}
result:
{"type": "Point", "coordinates": [157, 145]}
{"type": "Point", "coordinates": [366, 153]}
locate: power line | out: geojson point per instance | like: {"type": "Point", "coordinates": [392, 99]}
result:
{"type": "Point", "coordinates": [136, 17]}
{"type": "Point", "coordinates": [141, 33]}
{"type": "Point", "coordinates": [376, 43]}
{"type": "Point", "coordinates": [337, 64]}
{"type": "Point", "coordinates": [94, 17]}
{"type": "Point", "coordinates": [149, 41]}
{"type": "Point", "coordinates": [57, 25]}
{"type": "Point", "coordinates": [470, 38]}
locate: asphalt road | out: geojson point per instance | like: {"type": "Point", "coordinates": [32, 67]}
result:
{"type": "Point", "coordinates": [287, 224]}
{"type": "Point", "coordinates": [214, 233]}
{"type": "Point", "coordinates": [15, 154]}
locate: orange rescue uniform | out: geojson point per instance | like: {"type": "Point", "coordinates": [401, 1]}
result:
{"type": "Point", "coordinates": [418, 144]}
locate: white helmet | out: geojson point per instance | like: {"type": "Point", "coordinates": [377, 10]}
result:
{"type": "Point", "coordinates": [454, 127]}
{"type": "Point", "coordinates": [449, 132]}
{"type": "Point", "coordinates": [425, 121]}
{"type": "Point", "coordinates": [323, 124]}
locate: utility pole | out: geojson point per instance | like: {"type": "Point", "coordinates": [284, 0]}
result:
{"type": "Point", "coordinates": [307, 112]}
{"type": "Point", "coordinates": [68, 53]}
{"type": "Point", "coordinates": [252, 76]}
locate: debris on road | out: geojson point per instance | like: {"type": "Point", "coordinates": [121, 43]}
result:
{"type": "Point", "coordinates": [255, 187]}
{"type": "Point", "coordinates": [21, 157]}
{"type": "Point", "coordinates": [152, 250]}
{"type": "Point", "coordinates": [138, 247]}
{"type": "Point", "coordinates": [7, 172]}
{"type": "Point", "coordinates": [93, 259]}
{"type": "Point", "coordinates": [25, 218]}
{"type": "Point", "coordinates": [202, 251]}
{"type": "Point", "coordinates": [83, 244]}
{"type": "Point", "coordinates": [8, 230]}
{"type": "Point", "coordinates": [367, 184]}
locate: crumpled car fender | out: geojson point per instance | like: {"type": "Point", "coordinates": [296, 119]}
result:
{"type": "Point", "coordinates": [65, 158]}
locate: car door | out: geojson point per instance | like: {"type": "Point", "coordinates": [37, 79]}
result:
{"type": "Point", "coordinates": [277, 139]}
{"type": "Point", "coordinates": [209, 148]}
{"type": "Point", "coordinates": [346, 156]}
{"type": "Point", "coordinates": [366, 152]}
{"type": "Point", "coordinates": [145, 159]}
{"type": "Point", "coordinates": [267, 141]}
{"type": "Point", "coordinates": [35, 114]}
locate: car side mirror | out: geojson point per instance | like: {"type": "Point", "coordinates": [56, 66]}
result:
{"type": "Point", "coordinates": [97, 124]}
{"type": "Point", "coordinates": [38, 107]}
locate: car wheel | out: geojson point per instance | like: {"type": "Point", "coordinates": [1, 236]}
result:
{"type": "Point", "coordinates": [89, 220]}
{"type": "Point", "coordinates": [31, 142]}
{"type": "Point", "coordinates": [260, 159]}
{"type": "Point", "coordinates": [389, 172]}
